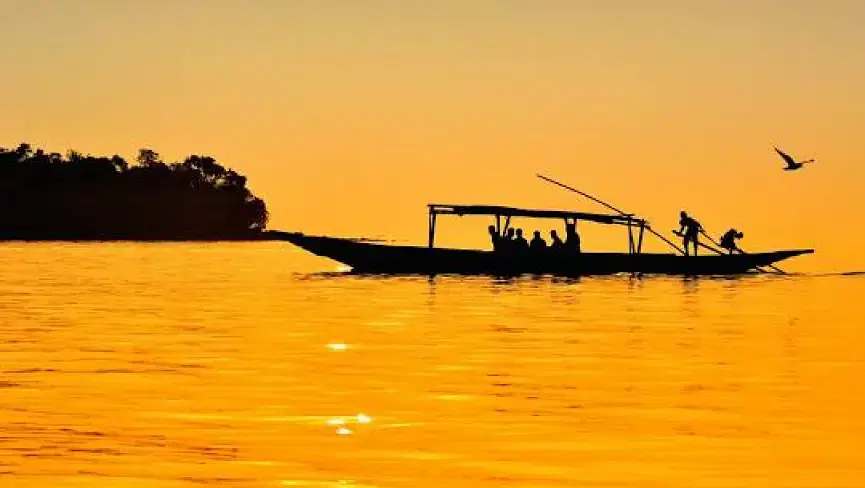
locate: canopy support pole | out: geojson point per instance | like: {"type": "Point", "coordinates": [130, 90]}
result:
{"type": "Point", "coordinates": [631, 247]}
{"type": "Point", "coordinates": [432, 228]}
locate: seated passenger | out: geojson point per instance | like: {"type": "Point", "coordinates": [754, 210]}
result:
{"type": "Point", "coordinates": [556, 244]}
{"type": "Point", "coordinates": [520, 243]}
{"type": "Point", "coordinates": [507, 241]}
{"type": "Point", "coordinates": [538, 244]}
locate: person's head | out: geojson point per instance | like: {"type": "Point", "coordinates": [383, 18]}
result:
{"type": "Point", "coordinates": [683, 214]}
{"type": "Point", "coordinates": [519, 232]}
{"type": "Point", "coordinates": [554, 234]}
{"type": "Point", "coordinates": [510, 232]}
{"type": "Point", "coordinates": [492, 229]}
{"type": "Point", "coordinates": [537, 234]}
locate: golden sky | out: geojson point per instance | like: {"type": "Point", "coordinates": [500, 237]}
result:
{"type": "Point", "coordinates": [349, 116]}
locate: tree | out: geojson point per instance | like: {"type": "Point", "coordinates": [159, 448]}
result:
{"type": "Point", "coordinates": [49, 196]}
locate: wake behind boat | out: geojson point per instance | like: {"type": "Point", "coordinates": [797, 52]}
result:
{"type": "Point", "coordinates": [566, 260]}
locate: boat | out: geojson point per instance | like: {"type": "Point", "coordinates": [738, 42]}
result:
{"type": "Point", "coordinates": [368, 257]}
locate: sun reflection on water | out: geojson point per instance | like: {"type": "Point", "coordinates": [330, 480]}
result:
{"type": "Point", "coordinates": [109, 378]}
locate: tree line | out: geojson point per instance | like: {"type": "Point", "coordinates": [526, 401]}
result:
{"type": "Point", "coordinates": [49, 196]}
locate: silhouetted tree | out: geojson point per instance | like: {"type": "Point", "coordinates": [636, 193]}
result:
{"type": "Point", "coordinates": [48, 196]}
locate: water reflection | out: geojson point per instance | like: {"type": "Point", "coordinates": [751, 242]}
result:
{"type": "Point", "coordinates": [176, 366]}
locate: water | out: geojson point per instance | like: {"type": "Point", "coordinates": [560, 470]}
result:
{"type": "Point", "coordinates": [185, 365]}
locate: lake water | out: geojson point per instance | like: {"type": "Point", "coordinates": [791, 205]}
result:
{"type": "Point", "coordinates": [242, 365]}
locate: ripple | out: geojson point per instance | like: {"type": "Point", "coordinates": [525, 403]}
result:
{"type": "Point", "coordinates": [232, 365]}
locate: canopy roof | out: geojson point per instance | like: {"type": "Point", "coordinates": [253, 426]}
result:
{"type": "Point", "coordinates": [497, 210]}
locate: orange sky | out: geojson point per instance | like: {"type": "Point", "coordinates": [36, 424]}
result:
{"type": "Point", "coordinates": [340, 111]}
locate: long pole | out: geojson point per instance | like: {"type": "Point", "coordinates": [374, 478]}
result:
{"type": "Point", "coordinates": [596, 200]}
{"type": "Point", "coordinates": [607, 205]}
{"type": "Point", "coordinates": [649, 228]}
{"type": "Point", "coordinates": [704, 245]}
{"type": "Point", "coordinates": [722, 253]}
{"type": "Point", "coordinates": [771, 266]}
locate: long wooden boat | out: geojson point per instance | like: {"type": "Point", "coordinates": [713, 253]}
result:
{"type": "Point", "coordinates": [371, 257]}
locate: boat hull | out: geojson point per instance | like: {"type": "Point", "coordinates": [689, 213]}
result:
{"type": "Point", "coordinates": [370, 257]}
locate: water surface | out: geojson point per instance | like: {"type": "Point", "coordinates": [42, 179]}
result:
{"type": "Point", "coordinates": [185, 365]}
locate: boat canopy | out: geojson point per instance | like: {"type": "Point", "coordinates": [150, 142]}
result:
{"type": "Point", "coordinates": [635, 243]}
{"type": "Point", "coordinates": [502, 211]}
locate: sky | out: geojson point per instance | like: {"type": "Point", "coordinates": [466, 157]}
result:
{"type": "Point", "coordinates": [348, 117]}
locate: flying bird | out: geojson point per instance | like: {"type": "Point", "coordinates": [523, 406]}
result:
{"type": "Point", "coordinates": [792, 164]}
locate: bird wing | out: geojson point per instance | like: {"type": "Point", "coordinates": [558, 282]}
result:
{"type": "Point", "coordinates": [790, 161]}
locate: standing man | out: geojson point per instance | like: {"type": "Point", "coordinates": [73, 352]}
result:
{"type": "Point", "coordinates": [690, 231]}
{"type": "Point", "coordinates": [495, 237]}
{"type": "Point", "coordinates": [572, 238]}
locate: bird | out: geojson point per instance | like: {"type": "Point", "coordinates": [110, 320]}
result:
{"type": "Point", "coordinates": [792, 164]}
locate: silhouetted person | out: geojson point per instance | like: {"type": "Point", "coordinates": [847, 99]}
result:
{"type": "Point", "coordinates": [495, 238]}
{"type": "Point", "coordinates": [690, 230]}
{"type": "Point", "coordinates": [538, 245]}
{"type": "Point", "coordinates": [728, 240]}
{"type": "Point", "coordinates": [556, 244]}
{"type": "Point", "coordinates": [572, 239]}
{"type": "Point", "coordinates": [507, 241]}
{"type": "Point", "coordinates": [520, 243]}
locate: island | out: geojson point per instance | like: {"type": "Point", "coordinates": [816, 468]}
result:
{"type": "Point", "coordinates": [49, 196]}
